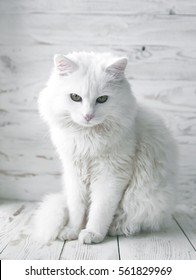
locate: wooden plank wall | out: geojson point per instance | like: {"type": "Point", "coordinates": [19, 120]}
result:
{"type": "Point", "coordinates": [159, 37]}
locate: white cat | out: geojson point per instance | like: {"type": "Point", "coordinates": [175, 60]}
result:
{"type": "Point", "coordinates": [119, 160]}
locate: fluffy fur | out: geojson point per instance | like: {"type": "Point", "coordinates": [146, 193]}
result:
{"type": "Point", "coordinates": [119, 160]}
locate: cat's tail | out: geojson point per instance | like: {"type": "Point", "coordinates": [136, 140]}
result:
{"type": "Point", "coordinates": [50, 217]}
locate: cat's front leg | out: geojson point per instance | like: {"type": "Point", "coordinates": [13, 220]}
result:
{"type": "Point", "coordinates": [74, 190]}
{"type": "Point", "coordinates": [105, 196]}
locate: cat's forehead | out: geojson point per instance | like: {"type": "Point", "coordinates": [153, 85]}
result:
{"type": "Point", "coordinates": [91, 65]}
{"type": "Point", "coordinates": [90, 85]}
{"type": "Point", "coordinates": [90, 81]}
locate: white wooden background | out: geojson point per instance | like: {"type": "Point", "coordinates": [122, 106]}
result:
{"type": "Point", "coordinates": [159, 37]}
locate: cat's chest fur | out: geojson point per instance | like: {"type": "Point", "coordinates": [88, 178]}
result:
{"type": "Point", "coordinates": [90, 151]}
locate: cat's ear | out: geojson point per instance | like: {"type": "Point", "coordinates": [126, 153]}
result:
{"type": "Point", "coordinates": [64, 65]}
{"type": "Point", "coordinates": [117, 68]}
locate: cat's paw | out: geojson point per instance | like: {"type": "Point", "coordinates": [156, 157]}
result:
{"type": "Point", "coordinates": [68, 233]}
{"type": "Point", "coordinates": [87, 237]}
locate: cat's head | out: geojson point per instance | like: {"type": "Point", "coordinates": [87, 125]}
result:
{"type": "Point", "coordinates": [87, 89]}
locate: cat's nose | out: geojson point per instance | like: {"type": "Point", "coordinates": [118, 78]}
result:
{"type": "Point", "coordinates": [88, 117]}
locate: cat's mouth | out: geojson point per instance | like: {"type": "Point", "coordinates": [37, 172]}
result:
{"type": "Point", "coordinates": [89, 123]}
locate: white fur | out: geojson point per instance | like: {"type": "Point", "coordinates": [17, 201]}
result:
{"type": "Point", "coordinates": [50, 218]}
{"type": "Point", "coordinates": [119, 167]}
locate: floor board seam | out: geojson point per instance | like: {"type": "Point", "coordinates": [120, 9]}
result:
{"type": "Point", "coordinates": [118, 246]}
{"type": "Point", "coordinates": [184, 234]}
{"type": "Point", "coordinates": [62, 249]}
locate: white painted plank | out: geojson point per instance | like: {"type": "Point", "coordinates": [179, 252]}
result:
{"type": "Point", "coordinates": [103, 6]}
{"type": "Point", "coordinates": [170, 244]}
{"type": "Point", "coordinates": [24, 248]}
{"type": "Point", "coordinates": [107, 250]}
{"type": "Point", "coordinates": [47, 29]}
{"type": "Point", "coordinates": [17, 241]}
{"type": "Point", "coordinates": [12, 221]}
{"type": "Point", "coordinates": [187, 222]}
{"type": "Point", "coordinates": [8, 212]}
{"type": "Point", "coordinates": [30, 189]}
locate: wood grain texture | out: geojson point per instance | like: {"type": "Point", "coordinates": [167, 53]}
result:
{"type": "Point", "coordinates": [11, 213]}
{"type": "Point", "coordinates": [165, 245]}
{"type": "Point", "coordinates": [100, 6]}
{"type": "Point", "coordinates": [108, 250]}
{"type": "Point", "coordinates": [16, 241]}
{"type": "Point", "coordinates": [24, 248]}
{"type": "Point", "coordinates": [49, 29]}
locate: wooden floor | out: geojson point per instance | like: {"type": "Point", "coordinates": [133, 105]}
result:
{"type": "Point", "coordinates": [177, 242]}
{"type": "Point", "coordinates": [159, 38]}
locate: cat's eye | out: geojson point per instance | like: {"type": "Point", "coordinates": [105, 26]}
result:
{"type": "Point", "coordinates": [102, 99]}
{"type": "Point", "coordinates": [75, 97]}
